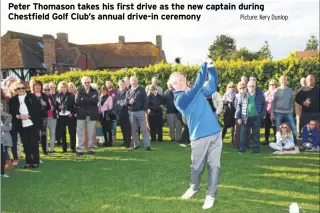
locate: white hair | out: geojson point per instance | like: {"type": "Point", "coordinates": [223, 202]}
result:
{"type": "Point", "coordinates": [133, 78]}
{"type": "Point", "coordinates": [85, 78]}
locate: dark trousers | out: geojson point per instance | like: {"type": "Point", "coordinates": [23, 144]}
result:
{"type": "Point", "coordinates": [224, 132]}
{"type": "Point", "coordinates": [43, 134]}
{"type": "Point", "coordinates": [125, 126]}
{"type": "Point", "coordinates": [14, 137]}
{"type": "Point", "coordinates": [185, 137]}
{"type": "Point", "coordinates": [268, 126]}
{"type": "Point", "coordinates": [30, 141]}
{"type": "Point", "coordinates": [155, 122]}
{"type": "Point", "coordinates": [62, 123]}
{"type": "Point", "coordinates": [254, 122]}
{"type": "Point", "coordinates": [3, 159]}
{"type": "Point", "coordinates": [73, 133]}
{"type": "Point", "coordinates": [107, 130]}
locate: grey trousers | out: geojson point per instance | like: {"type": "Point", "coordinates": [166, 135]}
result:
{"type": "Point", "coordinates": [175, 126]}
{"type": "Point", "coordinates": [206, 150]}
{"type": "Point", "coordinates": [138, 119]}
{"type": "Point", "coordinates": [81, 133]}
{"type": "Point", "coordinates": [51, 125]}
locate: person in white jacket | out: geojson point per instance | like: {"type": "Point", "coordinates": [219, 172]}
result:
{"type": "Point", "coordinates": [284, 138]}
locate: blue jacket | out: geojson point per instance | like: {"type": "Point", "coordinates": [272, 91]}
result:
{"type": "Point", "coordinates": [315, 136]}
{"type": "Point", "coordinates": [193, 105]}
{"type": "Point", "coordinates": [242, 105]}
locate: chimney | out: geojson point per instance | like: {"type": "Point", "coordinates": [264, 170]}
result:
{"type": "Point", "coordinates": [121, 40]}
{"type": "Point", "coordinates": [63, 40]}
{"type": "Point", "coordinates": [49, 51]}
{"type": "Point", "coordinates": [159, 42]}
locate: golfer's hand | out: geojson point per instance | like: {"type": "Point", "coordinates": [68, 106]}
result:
{"type": "Point", "coordinates": [239, 121]}
{"type": "Point", "coordinates": [313, 149]}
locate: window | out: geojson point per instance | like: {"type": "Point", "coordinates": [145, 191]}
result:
{"type": "Point", "coordinates": [40, 45]}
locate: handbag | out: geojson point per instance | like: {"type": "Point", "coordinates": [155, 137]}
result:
{"type": "Point", "coordinates": [110, 115]}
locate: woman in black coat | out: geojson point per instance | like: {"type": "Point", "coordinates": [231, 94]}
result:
{"type": "Point", "coordinates": [65, 103]}
{"type": "Point", "coordinates": [155, 113]}
{"type": "Point", "coordinates": [26, 119]}
{"type": "Point", "coordinates": [37, 91]}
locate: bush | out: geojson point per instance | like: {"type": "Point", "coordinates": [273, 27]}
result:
{"type": "Point", "coordinates": [264, 70]}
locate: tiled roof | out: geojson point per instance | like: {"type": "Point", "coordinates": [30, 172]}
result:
{"type": "Point", "coordinates": [307, 54]}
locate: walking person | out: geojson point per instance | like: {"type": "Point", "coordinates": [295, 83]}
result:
{"type": "Point", "coordinates": [123, 113]}
{"type": "Point", "coordinates": [105, 107]}
{"type": "Point", "coordinates": [206, 143]}
{"type": "Point", "coordinates": [65, 106]}
{"type": "Point", "coordinates": [267, 121]}
{"type": "Point", "coordinates": [137, 101]}
{"type": "Point", "coordinates": [88, 114]}
{"type": "Point", "coordinates": [174, 123]}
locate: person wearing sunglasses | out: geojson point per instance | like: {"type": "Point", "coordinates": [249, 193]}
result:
{"type": "Point", "coordinates": [267, 121]}
{"type": "Point", "coordinates": [284, 139]}
{"type": "Point", "coordinates": [52, 117]}
{"type": "Point", "coordinates": [87, 116]}
{"type": "Point", "coordinates": [250, 110]}
{"type": "Point", "coordinates": [282, 106]}
{"type": "Point", "coordinates": [26, 120]}
{"type": "Point", "coordinates": [229, 110]}
{"type": "Point", "coordinates": [310, 137]}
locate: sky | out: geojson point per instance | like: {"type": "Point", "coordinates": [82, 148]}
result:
{"type": "Point", "coordinates": [187, 39]}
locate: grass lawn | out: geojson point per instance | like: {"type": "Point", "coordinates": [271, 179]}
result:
{"type": "Point", "coordinates": [117, 181]}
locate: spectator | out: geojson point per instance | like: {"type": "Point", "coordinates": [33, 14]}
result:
{"type": "Point", "coordinates": [4, 101]}
{"type": "Point", "coordinates": [137, 100]}
{"type": "Point", "coordinates": [310, 136]}
{"type": "Point", "coordinates": [284, 137]}
{"type": "Point", "coordinates": [123, 114]}
{"type": "Point", "coordinates": [217, 103]}
{"type": "Point", "coordinates": [244, 80]}
{"type": "Point", "coordinates": [73, 121]}
{"type": "Point", "coordinates": [282, 106]}
{"type": "Point", "coordinates": [65, 106]}
{"type": "Point", "coordinates": [88, 114]}
{"type": "Point", "coordinates": [309, 100]}
{"type": "Point", "coordinates": [6, 141]}
{"type": "Point", "coordinates": [174, 123]}
{"type": "Point", "coordinates": [127, 81]}
{"type": "Point", "coordinates": [155, 114]}
{"type": "Point", "coordinates": [105, 107]}
{"type": "Point", "coordinates": [251, 108]}
{"type": "Point", "coordinates": [112, 92]}
{"type": "Point", "coordinates": [229, 110]}
{"type": "Point", "coordinates": [267, 121]}
{"type": "Point", "coordinates": [154, 82]}
{"type": "Point", "coordinates": [26, 119]}
{"type": "Point", "coordinates": [37, 91]}
{"type": "Point", "coordinates": [52, 117]}
{"type": "Point", "coordinates": [53, 89]}
{"type": "Point", "coordinates": [298, 107]}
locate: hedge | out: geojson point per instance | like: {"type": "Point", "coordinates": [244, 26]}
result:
{"type": "Point", "coordinates": [264, 70]}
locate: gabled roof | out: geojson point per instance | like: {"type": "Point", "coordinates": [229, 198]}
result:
{"type": "Point", "coordinates": [20, 50]}
{"type": "Point", "coordinates": [130, 54]}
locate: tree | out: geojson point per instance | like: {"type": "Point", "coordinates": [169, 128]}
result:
{"type": "Point", "coordinates": [312, 43]}
{"type": "Point", "coordinates": [222, 48]}
{"type": "Point", "coordinates": [265, 52]}
{"type": "Point", "coordinates": [244, 54]}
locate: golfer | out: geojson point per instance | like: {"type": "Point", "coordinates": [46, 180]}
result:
{"type": "Point", "coordinates": [204, 129]}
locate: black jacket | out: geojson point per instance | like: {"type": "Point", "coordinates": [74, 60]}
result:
{"type": "Point", "coordinates": [120, 106]}
{"type": "Point", "coordinates": [168, 100]}
{"type": "Point", "coordinates": [67, 100]}
{"type": "Point", "coordinates": [52, 101]}
{"type": "Point", "coordinates": [87, 104]}
{"type": "Point", "coordinates": [313, 95]}
{"type": "Point", "coordinates": [140, 97]}
{"type": "Point", "coordinates": [44, 109]}
{"type": "Point", "coordinates": [154, 103]}
{"type": "Point", "coordinates": [34, 107]}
